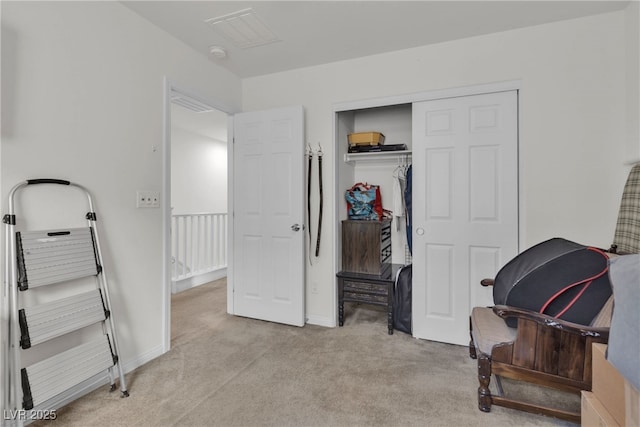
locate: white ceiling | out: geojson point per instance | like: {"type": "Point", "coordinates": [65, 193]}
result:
{"type": "Point", "coordinates": [317, 32]}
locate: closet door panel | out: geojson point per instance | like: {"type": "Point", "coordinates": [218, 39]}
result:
{"type": "Point", "coordinates": [439, 185]}
{"type": "Point", "coordinates": [465, 183]}
{"type": "Point", "coordinates": [439, 299]}
{"type": "Point", "coordinates": [484, 183]}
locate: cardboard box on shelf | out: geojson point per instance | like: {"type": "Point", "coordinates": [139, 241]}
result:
{"type": "Point", "coordinates": [608, 384]}
{"type": "Point", "coordinates": [593, 413]}
{"type": "Point", "coordinates": [365, 138]}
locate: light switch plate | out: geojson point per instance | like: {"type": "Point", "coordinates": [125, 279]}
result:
{"type": "Point", "coordinates": [147, 199]}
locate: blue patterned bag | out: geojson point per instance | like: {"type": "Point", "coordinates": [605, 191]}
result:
{"type": "Point", "coordinates": [364, 202]}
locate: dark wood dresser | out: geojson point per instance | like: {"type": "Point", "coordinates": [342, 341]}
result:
{"type": "Point", "coordinates": [367, 289]}
{"type": "Point", "coordinates": [366, 246]}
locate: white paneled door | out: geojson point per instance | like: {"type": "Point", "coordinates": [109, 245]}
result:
{"type": "Point", "coordinates": [465, 207]}
{"type": "Point", "coordinates": [268, 215]}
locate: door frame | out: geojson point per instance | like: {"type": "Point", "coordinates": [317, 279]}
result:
{"type": "Point", "coordinates": [170, 87]}
{"type": "Point", "coordinates": [431, 95]}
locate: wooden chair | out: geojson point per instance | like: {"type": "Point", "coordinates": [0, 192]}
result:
{"type": "Point", "coordinates": [543, 350]}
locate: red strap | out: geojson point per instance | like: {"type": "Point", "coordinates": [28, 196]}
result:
{"type": "Point", "coordinates": [586, 281]}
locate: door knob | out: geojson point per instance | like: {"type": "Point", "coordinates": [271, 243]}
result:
{"type": "Point", "coordinates": [420, 231]}
{"type": "Point", "coordinates": [295, 227]}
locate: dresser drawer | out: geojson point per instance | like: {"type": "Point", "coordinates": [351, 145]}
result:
{"type": "Point", "coordinates": [366, 287]}
{"type": "Point", "coordinates": [368, 298]}
{"type": "Point", "coordinates": [367, 292]}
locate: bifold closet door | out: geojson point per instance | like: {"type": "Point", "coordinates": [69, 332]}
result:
{"type": "Point", "coordinates": [465, 207]}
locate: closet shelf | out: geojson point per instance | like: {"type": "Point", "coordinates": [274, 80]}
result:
{"type": "Point", "coordinates": [376, 156]}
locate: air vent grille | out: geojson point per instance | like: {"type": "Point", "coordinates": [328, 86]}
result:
{"type": "Point", "coordinates": [190, 104]}
{"type": "Point", "coordinates": [243, 28]}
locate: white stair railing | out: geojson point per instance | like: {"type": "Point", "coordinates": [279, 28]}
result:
{"type": "Point", "coordinates": [198, 244]}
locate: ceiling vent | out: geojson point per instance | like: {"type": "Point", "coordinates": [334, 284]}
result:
{"type": "Point", "coordinates": [243, 28]}
{"type": "Point", "coordinates": [190, 103]}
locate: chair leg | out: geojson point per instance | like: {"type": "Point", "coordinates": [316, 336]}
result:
{"type": "Point", "coordinates": [484, 376]}
{"type": "Point", "coordinates": [472, 346]}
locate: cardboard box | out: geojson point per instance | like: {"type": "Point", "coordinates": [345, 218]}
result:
{"type": "Point", "coordinates": [593, 413]}
{"type": "Point", "coordinates": [631, 405]}
{"type": "Point", "coordinates": [608, 384]}
{"type": "Point", "coordinates": [365, 138]}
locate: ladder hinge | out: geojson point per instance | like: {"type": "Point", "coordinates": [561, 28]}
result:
{"type": "Point", "coordinates": [23, 282]}
{"type": "Point", "coordinates": [91, 216]}
{"type": "Point", "coordinates": [25, 339]}
{"type": "Point", "coordinates": [9, 219]}
{"type": "Point", "coordinates": [27, 400]}
{"type": "Point", "coordinates": [113, 355]}
{"type": "Point", "coordinates": [107, 313]}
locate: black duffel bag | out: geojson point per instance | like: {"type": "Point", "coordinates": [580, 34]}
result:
{"type": "Point", "coordinates": [402, 300]}
{"type": "Point", "coordinates": [557, 277]}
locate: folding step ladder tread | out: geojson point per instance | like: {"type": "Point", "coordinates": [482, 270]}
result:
{"type": "Point", "coordinates": [50, 377]}
{"type": "Point", "coordinates": [41, 259]}
{"type": "Point", "coordinates": [47, 253]}
{"type": "Point", "coordinates": [53, 256]}
{"type": "Point", "coordinates": [60, 270]}
{"type": "Point", "coordinates": [47, 321]}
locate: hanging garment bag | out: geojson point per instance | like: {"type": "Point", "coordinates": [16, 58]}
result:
{"type": "Point", "coordinates": [557, 277]}
{"type": "Point", "coordinates": [409, 206]}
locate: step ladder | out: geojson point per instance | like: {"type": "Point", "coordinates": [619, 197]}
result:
{"type": "Point", "coordinates": [43, 258]}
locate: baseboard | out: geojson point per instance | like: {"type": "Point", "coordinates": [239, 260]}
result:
{"type": "Point", "coordinates": [142, 359]}
{"type": "Point", "coordinates": [200, 279]}
{"type": "Point", "coordinates": [321, 321]}
{"type": "Point", "coordinates": [50, 406]}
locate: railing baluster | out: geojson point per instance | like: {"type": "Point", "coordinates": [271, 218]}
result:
{"type": "Point", "coordinates": [174, 248]}
{"type": "Point", "coordinates": [194, 244]}
{"type": "Point", "coordinates": [199, 244]}
{"type": "Point", "coordinates": [212, 233]}
{"type": "Point", "coordinates": [214, 230]}
{"type": "Point", "coordinates": [194, 261]}
{"type": "Point", "coordinates": [226, 237]}
{"type": "Point", "coordinates": [185, 246]}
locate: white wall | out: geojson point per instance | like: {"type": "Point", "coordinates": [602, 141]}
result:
{"type": "Point", "coordinates": [198, 173]}
{"type": "Point", "coordinates": [82, 99]}
{"type": "Point", "coordinates": [573, 110]}
{"type": "Point", "coordinates": [632, 28]}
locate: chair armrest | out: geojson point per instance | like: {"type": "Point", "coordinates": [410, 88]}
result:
{"type": "Point", "coordinates": [506, 311]}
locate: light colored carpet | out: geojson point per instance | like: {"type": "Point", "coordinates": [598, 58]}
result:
{"type": "Point", "coordinates": [224, 370]}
